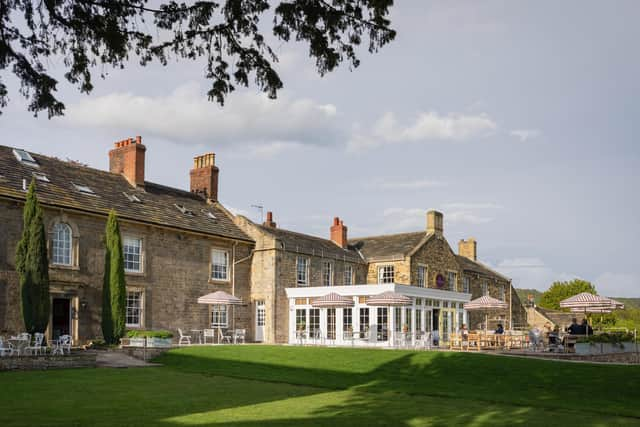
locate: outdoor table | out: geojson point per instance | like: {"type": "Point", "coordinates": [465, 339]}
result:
{"type": "Point", "coordinates": [198, 333]}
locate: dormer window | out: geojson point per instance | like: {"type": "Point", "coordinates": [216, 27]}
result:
{"type": "Point", "coordinates": [83, 189]}
{"type": "Point", "coordinates": [132, 198]}
{"type": "Point", "coordinates": [40, 177]}
{"type": "Point", "coordinates": [184, 210]}
{"type": "Point", "coordinates": [24, 157]}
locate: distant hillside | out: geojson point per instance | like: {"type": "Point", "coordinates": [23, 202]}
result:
{"type": "Point", "coordinates": [523, 294]}
{"type": "Point", "coordinates": [629, 302]}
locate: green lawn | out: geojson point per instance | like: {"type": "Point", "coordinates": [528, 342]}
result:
{"type": "Point", "coordinates": [294, 386]}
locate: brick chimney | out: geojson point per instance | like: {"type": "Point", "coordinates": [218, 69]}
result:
{"type": "Point", "coordinates": [339, 233]}
{"type": "Point", "coordinates": [269, 222]}
{"type": "Point", "coordinates": [435, 223]}
{"type": "Point", "coordinates": [468, 248]}
{"type": "Point", "coordinates": [127, 158]}
{"type": "Point", "coordinates": [204, 176]}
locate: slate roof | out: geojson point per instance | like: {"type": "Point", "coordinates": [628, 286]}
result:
{"type": "Point", "coordinates": [476, 267]}
{"type": "Point", "coordinates": [157, 204]}
{"type": "Point", "coordinates": [312, 245]}
{"type": "Point", "coordinates": [388, 246]}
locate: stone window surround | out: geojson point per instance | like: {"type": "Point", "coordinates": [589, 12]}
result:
{"type": "Point", "coordinates": [142, 307]}
{"type": "Point", "coordinates": [348, 268]}
{"type": "Point", "coordinates": [222, 316]}
{"type": "Point", "coordinates": [142, 270]}
{"type": "Point", "coordinates": [211, 279]}
{"type": "Point", "coordinates": [75, 242]}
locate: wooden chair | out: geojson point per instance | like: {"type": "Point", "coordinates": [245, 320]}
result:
{"type": "Point", "coordinates": [473, 341]}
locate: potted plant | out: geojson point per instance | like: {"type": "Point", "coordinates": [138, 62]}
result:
{"type": "Point", "coordinates": [157, 338]}
{"type": "Point", "coordinates": [616, 342]}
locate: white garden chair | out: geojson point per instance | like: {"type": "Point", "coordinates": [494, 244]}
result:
{"type": "Point", "coordinates": [209, 333]}
{"type": "Point", "coordinates": [37, 347]}
{"type": "Point", "coordinates": [239, 335]}
{"type": "Point", "coordinates": [5, 350]}
{"type": "Point", "coordinates": [184, 338]}
{"type": "Point", "coordinates": [64, 341]}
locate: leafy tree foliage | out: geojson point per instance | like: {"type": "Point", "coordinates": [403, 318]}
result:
{"type": "Point", "coordinates": [227, 36]}
{"type": "Point", "coordinates": [114, 287]}
{"type": "Point", "coordinates": [561, 290]}
{"type": "Point", "coordinates": [32, 265]}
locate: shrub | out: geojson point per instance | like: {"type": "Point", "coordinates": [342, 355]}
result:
{"type": "Point", "coordinates": [141, 333]}
{"type": "Point", "coordinates": [610, 338]}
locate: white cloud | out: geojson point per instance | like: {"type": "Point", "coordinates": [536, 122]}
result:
{"type": "Point", "coordinates": [465, 217]}
{"type": "Point", "coordinates": [618, 284]}
{"type": "Point", "coordinates": [525, 134]}
{"type": "Point", "coordinates": [468, 206]}
{"type": "Point", "coordinates": [185, 116]}
{"type": "Point", "coordinates": [427, 126]}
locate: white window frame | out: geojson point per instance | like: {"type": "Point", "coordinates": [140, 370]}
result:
{"type": "Point", "coordinates": [386, 272]}
{"type": "Point", "coordinates": [56, 246]}
{"type": "Point", "coordinates": [348, 275]}
{"type": "Point", "coordinates": [421, 269]}
{"type": "Point", "coordinates": [452, 286]}
{"type": "Point", "coordinates": [219, 316]}
{"type": "Point", "coordinates": [503, 293]}
{"type": "Point", "coordinates": [485, 288]}
{"type": "Point", "coordinates": [140, 254]}
{"type": "Point", "coordinates": [327, 273]}
{"type": "Point", "coordinates": [305, 280]}
{"type": "Point", "coordinates": [466, 284]}
{"type": "Point", "coordinates": [214, 271]}
{"type": "Point", "coordinates": [139, 309]}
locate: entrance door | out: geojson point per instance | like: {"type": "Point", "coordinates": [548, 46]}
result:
{"type": "Point", "coordinates": [61, 317]}
{"type": "Point", "coordinates": [260, 316]}
{"type": "Point", "coordinates": [447, 317]}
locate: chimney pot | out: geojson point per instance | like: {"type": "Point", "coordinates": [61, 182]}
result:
{"type": "Point", "coordinates": [128, 160]}
{"type": "Point", "coordinates": [339, 233]}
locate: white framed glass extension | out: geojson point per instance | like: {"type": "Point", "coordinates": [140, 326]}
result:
{"type": "Point", "coordinates": [431, 310]}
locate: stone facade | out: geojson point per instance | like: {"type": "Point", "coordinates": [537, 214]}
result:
{"type": "Point", "coordinates": [175, 272]}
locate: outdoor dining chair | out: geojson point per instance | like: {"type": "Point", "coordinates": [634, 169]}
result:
{"type": "Point", "coordinates": [64, 341]}
{"type": "Point", "coordinates": [37, 347]}
{"type": "Point", "coordinates": [183, 338]}
{"type": "Point", "coordinates": [239, 335]}
{"type": "Point", "coordinates": [209, 333]}
{"type": "Point", "coordinates": [5, 350]}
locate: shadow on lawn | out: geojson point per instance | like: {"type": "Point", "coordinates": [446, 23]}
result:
{"type": "Point", "coordinates": [444, 388]}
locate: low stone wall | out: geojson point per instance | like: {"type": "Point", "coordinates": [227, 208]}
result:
{"type": "Point", "coordinates": [627, 358]}
{"type": "Point", "coordinates": [28, 363]}
{"type": "Point", "coordinates": [144, 354]}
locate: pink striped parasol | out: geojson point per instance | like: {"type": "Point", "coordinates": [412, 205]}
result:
{"type": "Point", "coordinates": [332, 300]}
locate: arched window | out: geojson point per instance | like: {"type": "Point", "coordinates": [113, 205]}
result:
{"type": "Point", "coordinates": [61, 244]}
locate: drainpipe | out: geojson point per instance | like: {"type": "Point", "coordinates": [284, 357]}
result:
{"type": "Point", "coordinates": [510, 306]}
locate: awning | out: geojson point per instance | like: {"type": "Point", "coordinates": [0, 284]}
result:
{"type": "Point", "coordinates": [486, 303]}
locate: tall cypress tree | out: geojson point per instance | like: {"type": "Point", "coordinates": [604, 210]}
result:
{"type": "Point", "coordinates": [114, 288]}
{"type": "Point", "coordinates": [32, 265]}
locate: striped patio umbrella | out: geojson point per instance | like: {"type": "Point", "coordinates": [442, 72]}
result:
{"type": "Point", "coordinates": [485, 303]}
{"type": "Point", "coordinates": [221, 298]}
{"type": "Point", "coordinates": [389, 299]}
{"type": "Point", "coordinates": [332, 300]}
{"type": "Point", "coordinates": [590, 303]}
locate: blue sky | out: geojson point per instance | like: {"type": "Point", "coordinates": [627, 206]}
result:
{"type": "Point", "coordinates": [515, 119]}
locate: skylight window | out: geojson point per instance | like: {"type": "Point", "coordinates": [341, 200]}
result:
{"type": "Point", "coordinates": [132, 198]}
{"type": "Point", "coordinates": [40, 177]}
{"type": "Point", "coordinates": [83, 189]}
{"type": "Point", "coordinates": [184, 210]}
{"type": "Point", "coordinates": [209, 214]}
{"type": "Point", "coordinates": [24, 157]}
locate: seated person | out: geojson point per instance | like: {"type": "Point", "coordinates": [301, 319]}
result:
{"type": "Point", "coordinates": [575, 329]}
{"type": "Point", "coordinates": [499, 330]}
{"type": "Point", "coordinates": [464, 332]}
{"type": "Point", "coordinates": [554, 336]}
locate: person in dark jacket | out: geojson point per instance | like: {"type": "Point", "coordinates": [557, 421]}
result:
{"type": "Point", "coordinates": [575, 329]}
{"type": "Point", "coordinates": [499, 329]}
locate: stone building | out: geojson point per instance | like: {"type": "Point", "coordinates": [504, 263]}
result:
{"type": "Point", "coordinates": [178, 245]}
{"type": "Point", "coordinates": [290, 269]}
